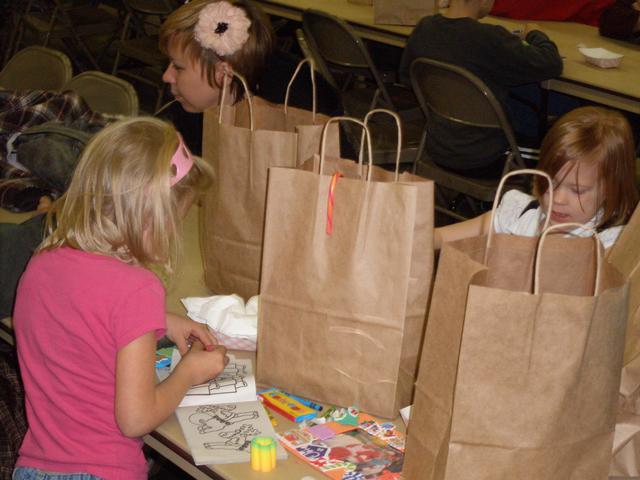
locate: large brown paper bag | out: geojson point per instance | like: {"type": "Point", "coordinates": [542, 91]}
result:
{"type": "Point", "coordinates": [515, 384]}
{"type": "Point", "coordinates": [241, 142]}
{"type": "Point", "coordinates": [342, 314]}
{"type": "Point", "coordinates": [402, 12]}
{"type": "Point", "coordinates": [626, 442]}
{"type": "Point", "coordinates": [625, 255]}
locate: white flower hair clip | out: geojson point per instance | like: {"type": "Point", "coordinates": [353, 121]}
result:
{"type": "Point", "coordinates": [222, 28]}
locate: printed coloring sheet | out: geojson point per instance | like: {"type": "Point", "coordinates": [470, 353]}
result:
{"type": "Point", "coordinates": [223, 433]}
{"type": "Point", "coordinates": [236, 383]}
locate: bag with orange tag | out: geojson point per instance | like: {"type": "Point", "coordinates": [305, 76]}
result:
{"type": "Point", "coordinates": [346, 273]}
{"type": "Point", "coordinates": [241, 142]}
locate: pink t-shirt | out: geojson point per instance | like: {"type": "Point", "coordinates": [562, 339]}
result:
{"type": "Point", "coordinates": [74, 310]}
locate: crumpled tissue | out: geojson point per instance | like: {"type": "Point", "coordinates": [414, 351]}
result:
{"type": "Point", "coordinates": [234, 323]}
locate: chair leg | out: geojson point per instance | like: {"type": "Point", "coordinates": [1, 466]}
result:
{"type": "Point", "coordinates": [123, 36]}
{"type": "Point", "coordinates": [423, 142]}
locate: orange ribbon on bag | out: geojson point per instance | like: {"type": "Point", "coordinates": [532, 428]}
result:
{"type": "Point", "coordinates": [330, 201]}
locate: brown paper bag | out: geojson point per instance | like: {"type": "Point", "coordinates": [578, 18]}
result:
{"type": "Point", "coordinates": [625, 255]}
{"type": "Point", "coordinates": [241, 142]}
{"type": "Point", "coordinates": [402, 12]}
{"type": "Point", "coordinates": [342, 315]}
{"type": "Point", "coordinates": [626, 442]}
{"type": "Point", "coordinates": [515, 384]}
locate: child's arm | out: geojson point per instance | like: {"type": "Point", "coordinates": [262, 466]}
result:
{"type": "Point", "coordinates": [182, 330]}
{"type": "Point", "coordinates": [141, 404]}
{"type": "Point", "coordinates": [469, 228]}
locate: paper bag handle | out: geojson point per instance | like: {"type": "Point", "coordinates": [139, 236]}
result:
{"type": "Point", "coordinates": [396, 117]}
{"type": "Point", "coordinates": [536, 281]}
{"type": "Point", "coordinates": [503, 180]}
{"type": "Point", "coordinates": [324, 141]}
{"type": "Point", "coordinates": [313, 86]}
{"type": "Point", "coordinates": [247, 95]}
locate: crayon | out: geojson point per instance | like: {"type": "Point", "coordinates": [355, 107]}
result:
{"type": "Point", "coordinates": [306, 402]}
{"type": "Point", "coordinates": [273, 420]}
{"type": "Point", "coordinates": [328, 412]}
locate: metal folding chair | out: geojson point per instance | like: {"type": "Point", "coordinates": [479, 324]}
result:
{"type": "Point", "coordinates": [138, 56]}
{"type": "Point", "coordinates": [459, 96]}
{"type": "Point", "coordinates": [105, 93]}
{"type": "Point", "coordinates": [36, 68]}
{"type": "Point", "coordinates": [343, 59]}
{"type": "Point", "coordinates": [77, 24]}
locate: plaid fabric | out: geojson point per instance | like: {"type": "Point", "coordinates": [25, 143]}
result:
{"type": "Point", "coordinates": [21, 110]}
{"type": "Point", "coordinates": [12, 416]}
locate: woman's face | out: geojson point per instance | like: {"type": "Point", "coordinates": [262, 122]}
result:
{"type": "Point", "coordinates": [189, 83]}
{"type": "Point", "coordinates": [576, 194]}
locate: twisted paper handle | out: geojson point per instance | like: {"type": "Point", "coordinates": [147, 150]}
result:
{"type": "Point", "coordinates": [330, 201]}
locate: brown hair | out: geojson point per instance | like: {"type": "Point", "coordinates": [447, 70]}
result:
{"type": "Point", "coordinates": [603, 136]}
{"type": "Point", "coordinates": [119, 202]}
{"type": "Point", "coordinates": [249, 61]}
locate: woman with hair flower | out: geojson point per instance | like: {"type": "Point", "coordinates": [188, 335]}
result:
{"type": "Point", "coordinates": [208, 40]}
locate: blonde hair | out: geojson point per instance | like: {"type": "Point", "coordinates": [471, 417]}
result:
{"type": "Point", "coordinates": [119, 202]}
{"type": "Point", "coordinates": [249, 61]}
{"type": "Point", "coordinates": [595, 135]}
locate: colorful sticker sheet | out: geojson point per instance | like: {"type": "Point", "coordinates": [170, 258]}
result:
{"type": "Point", "coordinates": [368, 450]}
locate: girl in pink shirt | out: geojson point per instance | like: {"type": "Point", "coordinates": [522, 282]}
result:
{"type": "Point", "coordinates": [88, 311]}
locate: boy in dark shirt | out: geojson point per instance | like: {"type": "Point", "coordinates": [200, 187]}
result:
{"type": "Point", "coordinates": [622, 21]}
{"type": "Point", "coordinates": [498, 57]}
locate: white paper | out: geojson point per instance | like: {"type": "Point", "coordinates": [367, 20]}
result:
{"type": "Point", "coordinates": [599, 53]}
{"type": "Point", "coordinates": [223, 433]}
{"type": "Point", "coordinates": [405, 413]}
{"type": "Point", "coordinates": [227, 314]}
{"type": "Point", "coordinates": [237, 383]}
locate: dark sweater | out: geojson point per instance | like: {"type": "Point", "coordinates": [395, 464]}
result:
{"type": "Point", "coordinates": [497, 57]}
{"type": "Point", "coordinates": [620, 20]}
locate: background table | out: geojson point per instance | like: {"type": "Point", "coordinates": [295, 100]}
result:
{"type": "Point", "coordinates": [618, 88]}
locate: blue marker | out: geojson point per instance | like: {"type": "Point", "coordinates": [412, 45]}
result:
{"type": "Point", "coordinates": [306, 403]}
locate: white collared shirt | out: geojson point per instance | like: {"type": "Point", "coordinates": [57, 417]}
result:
{"type": "Point", "coordinates": [510, 219]}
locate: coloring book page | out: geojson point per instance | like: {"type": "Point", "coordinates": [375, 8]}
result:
{"type": "Point", "coordinates": [223, 433]}
{"type": "Point", "coordinates": [236, 383]}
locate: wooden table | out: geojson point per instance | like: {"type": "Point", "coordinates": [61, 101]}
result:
{"type": "Point", "coordinates": [359, 16]}
{"type": "Point", "coordinates": [617, 88]}
{"type": "Point", "coordinates": [169, 442]}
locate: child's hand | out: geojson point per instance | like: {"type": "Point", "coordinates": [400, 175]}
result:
{"type": "Point", "coordinates": [203, 365]}
{"type": "Point", "coordinates": [182, 331]}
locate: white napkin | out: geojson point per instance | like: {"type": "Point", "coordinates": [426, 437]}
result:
{"type": "Point", "coordinates": [226, 314]}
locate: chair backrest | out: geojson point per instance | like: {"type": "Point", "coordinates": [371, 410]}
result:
{"type": "Point", "coordinates": [151, 7]}
{"type": "Point", "coordinates": [36, 68]}
{"type": "Point", "coordinates": [138, 12]}
{"type": "Point", "coordinates": [309, 54]}
{"type": "Point", "coordinates": [337, 44]}
{"type": "Point", "coordinates": [459, 96]}
{"type": "Point", "coordinates": [105, 93]}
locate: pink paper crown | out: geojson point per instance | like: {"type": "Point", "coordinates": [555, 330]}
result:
{"type": "Point", "coordinates": [182, 161]}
